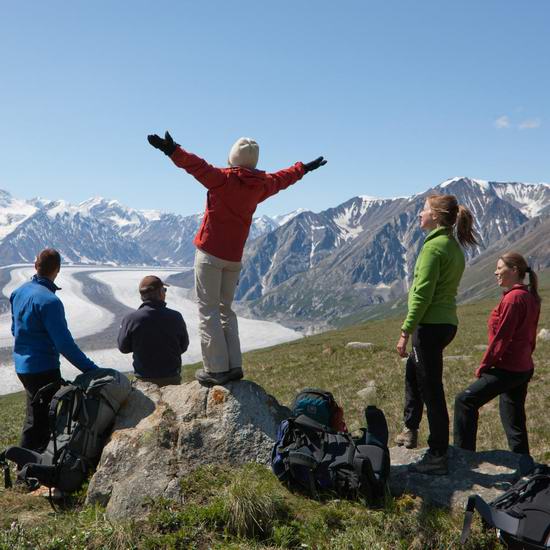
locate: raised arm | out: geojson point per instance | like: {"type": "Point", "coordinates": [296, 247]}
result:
{"type": "Point", "coordinates": [284, 178]}
{"type": "Point", "coordinates": [203, 172]}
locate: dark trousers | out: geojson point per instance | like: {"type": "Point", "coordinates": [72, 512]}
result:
{"type": "Point", "coordinates": [424, 383]}
{"type": "Point", "coordinates": [161, 382]}
{"type": "Point", "coordinates": [512, 388]}
{"type": "Point", "coordinates": [36, 434]}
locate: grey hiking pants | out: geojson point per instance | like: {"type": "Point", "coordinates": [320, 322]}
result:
{"type": "Point", "coordinates": [215, 284]}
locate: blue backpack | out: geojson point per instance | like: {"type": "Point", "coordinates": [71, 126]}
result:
{"type": "Point", "coordinates": [319, 405]}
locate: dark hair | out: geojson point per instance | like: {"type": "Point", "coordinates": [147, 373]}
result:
{"type": "Point", "coordinates": [47, 262]}
{"type": "Point", "coordinates": [449, 213]}
{"type": "Point", "coordinates": [517, 261]}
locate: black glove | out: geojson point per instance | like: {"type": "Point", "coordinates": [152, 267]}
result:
{"type": "Point", "coordinates": [314, 164]}
{"type": "Point", "coordinates": [166, 145]}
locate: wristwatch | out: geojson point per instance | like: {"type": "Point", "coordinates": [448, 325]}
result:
{"type": "Point", "coordinates": [404, 334]}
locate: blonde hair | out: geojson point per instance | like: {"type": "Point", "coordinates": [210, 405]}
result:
{"type": "Point", "coordinates": [449, 213]}
{"type": "Point", "coordinates": [517, 261]}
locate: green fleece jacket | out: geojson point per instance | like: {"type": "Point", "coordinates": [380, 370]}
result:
{"type": "Point", "coordinates": [437, 274]}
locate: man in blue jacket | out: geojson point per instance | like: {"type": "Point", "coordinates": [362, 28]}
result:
{"type": "Point", "coordinates": [41, 334]}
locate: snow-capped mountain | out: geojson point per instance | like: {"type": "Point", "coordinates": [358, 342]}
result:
{"type": "Point", "coordinates": [324, 266]}
{"type": "Point", "coordinates": [99, 230]}
{"type": "Point", "coordinates": [307, 266]}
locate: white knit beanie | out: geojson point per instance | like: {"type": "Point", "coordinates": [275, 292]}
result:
{"type": "Point", "coordinates": [244, 153]}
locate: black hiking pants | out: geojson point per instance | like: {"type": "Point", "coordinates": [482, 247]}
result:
{"type": "Point", "coordinates": [512, 388]}
{"type": "Point", "coordinates": [36, 433]}
{"type": "Point", "coordinates": [424, 383]}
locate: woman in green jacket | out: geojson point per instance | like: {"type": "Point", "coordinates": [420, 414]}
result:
{"type": "Point", "coordinates": [432, 322]}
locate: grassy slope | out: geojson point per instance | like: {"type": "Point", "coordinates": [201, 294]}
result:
{"type": "Point", "coordinates": [219, 503]}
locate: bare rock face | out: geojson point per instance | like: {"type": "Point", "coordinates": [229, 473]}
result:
{"type": "Point", "coordinates": [162, 434]}
{"type": "Point", "coordinates": [486, 473]}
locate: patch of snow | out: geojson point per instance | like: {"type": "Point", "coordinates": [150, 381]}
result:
{"type": "Point", "coordinates": [281, 219]}
{"type": "Point", "coordinates": [13, 212]}
{"type": "Point", "coordinates": [483, 184]}
{"type": "Point", "coordinates": [152, 215]}
{"type": "Point", "coordinates": [62, 207]}
{"type": "Point", "coordinates": [446, 183]}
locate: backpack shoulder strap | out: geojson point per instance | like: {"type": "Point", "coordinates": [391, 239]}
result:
{"type": "Point", "coordinates": [39, 395]}
{"type": "Point", "coordinates": [496, 518]}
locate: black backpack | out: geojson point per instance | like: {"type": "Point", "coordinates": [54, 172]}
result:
{"type": "Point", "coordinates": [521, 514]}
{"type": "Point", "coordinates": [317, 460]}
{"type": "Point", "coordinates": [81, 416]}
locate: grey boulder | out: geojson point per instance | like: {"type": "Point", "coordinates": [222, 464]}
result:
{"type": "Point", "coordinates": [161, 435]}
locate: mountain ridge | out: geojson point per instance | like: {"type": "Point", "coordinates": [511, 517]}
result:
{"type": "Point", "coordinates": [303, 268]}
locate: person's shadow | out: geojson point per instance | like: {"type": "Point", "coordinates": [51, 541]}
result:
{"type": "Point", "coordinates": [487, 473]}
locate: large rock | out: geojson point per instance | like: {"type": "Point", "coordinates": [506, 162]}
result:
{"type": "Point", "coordinates": [487, 473]}
{"type": "Point", "coordinates": [163, 434]}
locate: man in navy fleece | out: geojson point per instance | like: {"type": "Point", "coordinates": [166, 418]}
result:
{"type": "Point", "coordinates": [41, 334]}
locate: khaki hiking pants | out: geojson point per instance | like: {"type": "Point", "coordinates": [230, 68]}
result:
{"type": "Point", "coordinates": [215, 284]}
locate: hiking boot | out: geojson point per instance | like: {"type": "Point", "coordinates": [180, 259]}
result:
{"type": "Point", "coordinates": [431, 465]}
{"type": "Point", "coordinates": [236, 374]}
{"type": "Point", "coordinates": [407, 438]}
{"type": "Point", "coordinates": [212, 378]}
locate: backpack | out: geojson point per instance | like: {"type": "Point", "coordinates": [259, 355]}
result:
{"type": "Point", "coordinates": [315, 459]}
{"type": "Point", "coordinates": [80, 417]}
{"type": "Point", "coordinates": [319, 405]}
{"type": "Point", "coordinates": [521, 514]}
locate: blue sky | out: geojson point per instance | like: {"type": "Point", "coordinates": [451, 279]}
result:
{"type": "Point", "coordinates": [397, 95]}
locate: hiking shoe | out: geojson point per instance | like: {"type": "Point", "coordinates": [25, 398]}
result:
{"type": "Point", "coordinates": [236, 374]}
{"type": "Point", "coordinates": [407, 438]}
{"type": "Point", "coordinates": [431, 465]}
{"type": "Point", "coordinates": [212, 378]}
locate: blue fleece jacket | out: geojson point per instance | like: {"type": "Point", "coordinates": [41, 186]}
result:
{"type": "Point", "coordinates": [40, 329]}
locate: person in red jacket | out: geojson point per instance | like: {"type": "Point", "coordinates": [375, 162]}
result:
{"type": "Point", "coordinates": [233, 195]}
{"type": "Point", "coordinates": [507, 365]}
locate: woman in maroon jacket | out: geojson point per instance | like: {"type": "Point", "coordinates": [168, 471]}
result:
{"type": "Point", "coordinates": [507, 365]}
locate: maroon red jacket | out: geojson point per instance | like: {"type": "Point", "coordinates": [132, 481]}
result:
{"type": "Point", "coordinates": [233, 195]}
{"type": "Point", "coordinates": [512, 332]}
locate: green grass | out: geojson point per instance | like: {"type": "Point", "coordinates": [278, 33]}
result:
{"type": "Point", "coordinates": [246, 507]}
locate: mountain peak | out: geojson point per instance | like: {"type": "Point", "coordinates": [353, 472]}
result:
{"type": "Point", "coordinates": [483, 184]}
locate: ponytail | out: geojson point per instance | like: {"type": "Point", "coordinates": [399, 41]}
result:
{"type": "Point", "coordinates": [465, 227]}
{"type": "Point", "coordinates": [517, 261]}
{"type": "Point", "coordinates": [534, 284]}
{"type": "Point", "coordinates": [450, 214]}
